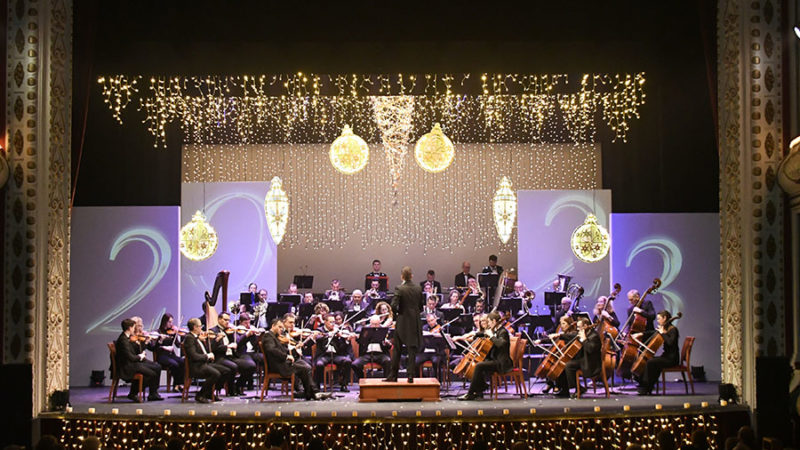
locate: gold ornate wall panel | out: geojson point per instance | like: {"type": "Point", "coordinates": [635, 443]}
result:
{"type": "Point", "coordinates": [751, 202]}
{"type": "Point", "coordinates": [39, 80]}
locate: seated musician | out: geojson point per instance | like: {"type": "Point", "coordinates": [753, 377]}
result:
{"type": "Point", "coordinates": [479, 325]}
{"type": "Point", "coordinates": [605, 312]}
{"type": "Point", "coordinates": [165, 347]}
{"type": "Point", "coordinates": [375, 275]}
{"type": "Point", "coordinates": [202, 362]}
{"type": "Point", "coordinates": [430, 307]}
{"type": "Point", "coordinates": [430, 278]}
{"type": "Point", "coordinates": [565, 326]}
{"type": "Point", "coordinates": [463, 277]}
{"type": "Point", "coordinates": [375, 292]}
{"type": "Point", "coordinates": [292, 289]}
{"type": "Point", "coordinates": [474, 289]}
{"type": "Point", "coordinates": [279, 360]}
{"type": "Point", "coordinates": [334, 348]}
{"type": "Point", "coordinates": [131, 359]}
{"type": "Point", "coordinates": [320, 311]}
{"type": "Point", "coordinates": [335, 292]}
{"type": "Point", "coordinates": [564, 309]}
{"type": "Point", "coordinates": [588, 359]}
{"type": "Point", "coordinates": [357, 302]}
{"type": "Point", "coordinates": [519, 290]}
{"type": "Point", "coordinates": [507, 319]}
{"type": "Point", "coordinates": [247, 343]}
{"type": "Point", "coordinates": [480, 306]}
{"type": "Point", "coordinates": [339, 321]}
{"type": "Point", "coordinates": [252, 289]}
{"type": "Point", "coordinates": [645, 310]}
{"type": "Point", "coordinates": [296, 339]}
{"type": "Point", "coordinates": [372, 350]}
{"type": "Point", "coordinates": [432, 354]}
{"type": "Point", "coordinates": [498, 359]}
{"type": "Point", "coordinates": [308, 298]}
{"type": "Point", "coordinates": [226, 351]}
{"type": "Point", "coordinates": [384, 311]}
{"type": "Point", "coordinates": [259, 309]}
{"type": "Point", "coordinates": [453, 301]}
{"type": "Point", "coordinates": [669, 357]}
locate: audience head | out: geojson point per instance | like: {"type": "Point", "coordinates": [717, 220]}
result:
{"type": "Point", "coordinates": [49, 442]}
{"type": "Point", "coordinates": [174, 443]}
{"type": "Point", "coordinates": [665, 440]}
{"type": "Point", "coordinates": [276, 437]}
{"type": "Point", "coordinates": [699, 439]}
{"type": "Point", "coordinates": [587, 444]}
{"type": "Point", "coordinates": [746, 436]}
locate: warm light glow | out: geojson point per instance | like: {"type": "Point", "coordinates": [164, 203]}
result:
{"type": "Point", "coordinates": [198, 239]}
{"type": "Point", "coordinates": [434, 151]}
{"type": "Point", "coordinates": [590, 242]}
{"type": "Point", "coordinates": [276, 209]}
{"type": "Point", "coordinates": [349, 153]}
{"type": "Point", "coordinates": [797, 31]}
{"type": "Point", "coordinates": [505, 209]}
{"type": "Point", "coordinates": [393, 114]}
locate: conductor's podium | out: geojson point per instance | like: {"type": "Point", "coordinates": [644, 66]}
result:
{"type": "Point", "coordinates": [376, 390]}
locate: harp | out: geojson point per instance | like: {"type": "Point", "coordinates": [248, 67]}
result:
{"type": "Point", "coordinates": [209, 305]}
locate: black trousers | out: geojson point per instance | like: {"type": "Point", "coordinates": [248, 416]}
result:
{"type": "Point", "coordinates": [343, 364]}
{"type": "Point", "coordinates": [302, 371]}
{"type": "Point", "coordinates": [151, 372]}
{"type": "Point", "coordinates": [395, 364]}
{"type": "Point", "coordinates": [483, 370]}
{"type": "Point", "coordinates": [653, 370]}
{"type": "Point", "coordinates": [377, 358]}
{"type": "Point", "coordinates": [434, 358]}
{"type": "Point", "coordinates": [245, 366]}
{"type": "Point", "coordinates": [174, 364]}
{"type": "Point", "coordinates": [212, 373]}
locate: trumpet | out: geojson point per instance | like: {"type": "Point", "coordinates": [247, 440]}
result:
{"type": "Point", "coordinates": [373, 294]}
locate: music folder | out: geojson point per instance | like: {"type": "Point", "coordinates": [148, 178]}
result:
{"type": "Point", "coordinates": [510, 304]}
{"type": "Point", "coordinates": [488, 279]}
{"type": "Point", "coordinates": [432, 341]}
{"type": "Point", "coordinates": [276, 310]}
{"type": "Point", "coordinates": [469, 302]}
{"type": "Point", "coordinates": [375, 335]}
{"type": "Point", "coordinates": [334, 305]}
{"type": "Point", "coordinates": [305, 310]}
{"type": "Point", "coordinates": [304, 281]}
{"type": "Point", "coordinates": [289, 298]}
{"type": "Point", "coordinates": [352, 317]}
{"type": "Point", "coordinates": [450, 314]}
{"type": "Point", "coordinates": [245, 298]}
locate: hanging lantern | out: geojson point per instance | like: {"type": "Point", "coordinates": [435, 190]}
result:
{"type": "Point", "coordinates": [198, 239]}
{"type": "Point", "coordinates": [276, 209]}
{"type": "Point", "coordinates": [590, 241]}
{"type": "Point", "coordinates": [505, 210]}
{"type": "Point", "coordinates": [434, 151]}
{"type": "Point", "coordinates": [349, 153]}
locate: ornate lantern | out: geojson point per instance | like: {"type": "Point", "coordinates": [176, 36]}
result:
{"type": "Point", "coordinates": [349, 153]}
{"type": "Point", "coordinates": [505, 209]}
{"type": "Point", "coordinates": [276, 209]}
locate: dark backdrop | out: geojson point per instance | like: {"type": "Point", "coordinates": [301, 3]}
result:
{"type": "Point", "coordinates": [669, 163]}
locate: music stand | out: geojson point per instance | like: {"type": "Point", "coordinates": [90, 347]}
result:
{"type": "Point", "coordinates": [294, 299]}
{"type": "Point", "coordinates": [469, 302]}
{"type": "Point", "coordinates": [510, 304]}
{"type": "Point", "coordinates": [488, 279]}
{"type": "Point", "coordinates": [246, 298]}
{"type": "Point", "coordinates": [449, 314]}
{"type": "Point", "coordinates": [275, 310]}
{"type": "Point", "coordinates": [373, 335]}
{"type": "Point", "coordinates": [352, 317]}
{"type": "Point", "coordinates": [553, 300]}
{"type": "Point", "coordinates": [304, 281]}
{"type": "Point", "coordinates": [543, 320]}
{"type": "Point", "coordinates": [305, 310]}
{"type": "Point", "coordinates": [334, 305]}
{"type": "Point", "coordinates": [434, 342]}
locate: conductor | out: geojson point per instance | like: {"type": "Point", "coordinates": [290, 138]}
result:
{"type": "Point", "coordinates": [406, 305]}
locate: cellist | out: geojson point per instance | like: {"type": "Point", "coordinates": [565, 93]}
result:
{"type": "Point", "coordinates": [588, 359]}
{"type": "Point", "coordinates": [498, 359]}
{"type": "Point", "coordinates": [669, 356]}
{"type": "Point", "coordinates": [601, 311]}
{"type": "Point", "coordinates": [646, 310]}
{"type": "Point", "coordinates": [566, 327]}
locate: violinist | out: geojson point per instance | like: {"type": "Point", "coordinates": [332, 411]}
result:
{"type": "Point", "coordinates": [247, 344]}
{"type": "Point", "coordinates": [430, 353]}
{"type": "Point", "coordinates": [372, 349]}
{"type": "Point", "coordinates": [320, 311]}
{"type": "Point", "coordinates": [295, 338]}
{"type": "Point", "coordinates": [334, 348]}
{"type": "Point", "coordinates": [131, 360]}
{"type": "Point", "coordinates": [280, 360]}
{"type": "Point", "coordinates": [357, 301]}
{"type": "Point", "coordinates": [226, 351]}
{"type": "Point", "coordinates": [588, 359]}
{"type": "Point", "coordinates": [202, 363]}
{"type": "Point", "coordinates": [668, 358]}
{"type": "Point", "coordinates": [646, 309]}
{"type": "Point", "coordinates": [383, 310]}
{"type": "Point", "coordinates": [453, 301]}
{"type": "Point", "coordinates": [165, 350]}
{"type": "Point", "coordinates": [506, 318]}
{"type": "Point", "coordinates": [605, 312]}
{"type": "Point", "coordinates": [340, 324]}
{"type": "Point", "coordinates": [498, 359]}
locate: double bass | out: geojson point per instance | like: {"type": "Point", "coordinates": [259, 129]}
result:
{"type": "Point", "coordinates": [635, 323]}
{"type": "Point", "coordinates": [608, 332]}
{"type": "Point", "coordinates": [651, 347]}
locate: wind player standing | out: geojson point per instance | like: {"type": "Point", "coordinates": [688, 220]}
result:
{"type": "Point", "coordinates": [406, 304]}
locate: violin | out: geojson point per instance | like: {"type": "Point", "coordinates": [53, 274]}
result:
{"type": "Point", "coordinates": [630, 349]}
{"type": "Point", "coordinates": [175, 331]}
{"type": "Point", "coordinates": [651, 347]}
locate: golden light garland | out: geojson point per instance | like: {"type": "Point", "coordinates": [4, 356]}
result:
{"type": "Point", "coordinates": [276, 209]}
{"type": "Point", "coordinates": [393, 115]}
{"type": "Point", "coordinates": [198, 239]}
{"type": "Point", "coordinates": [505, 209]}
{"type": "Point", "coordinates": [434, 151]}
{"type": "Point", "coordinates": [349, 153]}
{"type": "Point", "coordinates": [590, 242]}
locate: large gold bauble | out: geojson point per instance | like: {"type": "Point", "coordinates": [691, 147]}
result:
{"type": "Point", "coordinates": [590, 242]}
{"type": "Point", "coordinates": [434, 151]}
{"type": "Point", "coordinates": [198, 239]}
{"type": "Point", "coordinates": [349, 153]}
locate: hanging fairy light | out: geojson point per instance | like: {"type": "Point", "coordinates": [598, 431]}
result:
{"type": "Point", "coordinates": [198, 239]}
{"type": "Point", "coordinates": [434, 151]}
{"type": "Point", "coordinates": [276, 209]}
{"type": "Point", "coordinates": [349, 153]}
{"type": "Point", "coordinates": [505, 209]}
{"type": "Point", "coordinates": [393, 114]}
{"type": "Point", "coordinates": [590, 242]}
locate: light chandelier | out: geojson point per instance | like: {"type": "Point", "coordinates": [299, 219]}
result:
{"type": "Point", "coordinates": [505, 209]}
{"type": "Point", "coordinates": [434, 151]}
{"type": "Point", "coordinates": [590, 242]}
{"type": "Point", "coordinates": [276, 210]}
{"type": "Point", "coordinates": [393, 114]}
{"type": "Point", "coordinates": [349, 153]}
{"type": "Point", "coordinates": [198, 239]}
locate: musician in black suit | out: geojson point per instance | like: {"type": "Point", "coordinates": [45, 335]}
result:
{"type": "Point", "coordinates": [645, 310]}
{"type": "Point", "coordinates": [588, 359]}
{"type": "Point", "coordinates": [430, 277]}
{"type": "Point", "coordinates": [226, 351]}
{"type": "Point", "coordinates": [498, 359]}
{"type": "Point", "coordinates": [431, 348]}
{"type": "Point", "coordinates": [669, 357]}
{"type": "Point", "coordinates": [493, 268]}
{"type": "Point", "coordinates": [375, 275]}
{"type": "Point", "coordinates": [247, 344]}
{"type": "Point", "coordinates": [430, 307]}
{"type": "Point", "coordinates": [406, 304]}
{"type": "Point", "coordinates": [334, 348]}
{"type": "Point", "coordinates": [279, 360]}
{"type": "Point", "coordinates": [202, 362]}
{"type": "Point", "coordinates": [462, 278]}
{"type": "Point", "coordinates": [130, 362]}
{"type": "Point", "coordinates": [372, 349]}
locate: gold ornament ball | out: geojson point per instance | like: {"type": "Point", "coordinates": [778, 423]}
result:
{"type": "Point", "coordinates": [198, 239]}
{"type": "Point", "coordinates": [434, 151]}
{"type": "Point", "coordinates": [590, 242]}
{"type": "Point", "coordinates": [349, 153]}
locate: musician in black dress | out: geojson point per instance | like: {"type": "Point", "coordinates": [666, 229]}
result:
{"type": "Point", "coordinates": [279, 360]}
{"type": "Point", "coordinates": [670, 356]}
{"type": "Point", "coordinates": [334, 348]}
{"type": "Point", "coordinates": [498, 359]}
{"type": "Point", "coordinates": [375, 275]}
{"type": "Point", "coordinates": [165, 347]}
{"type": "Point", "coordinates": [406, 305]}
{"type": "Point", "coordinates": [588, 359]}
{"type": "Point", "coordinates": [131, 361]}
{"type": "Point", "coordinates": [372, 349]}
{"type": "Point", "coordinates": [202, 363]}
{"type": "Point", "coordinates": [646, 309]}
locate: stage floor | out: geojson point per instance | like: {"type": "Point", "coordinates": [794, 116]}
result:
{"type": "Point", "coordinates": [345, 406]}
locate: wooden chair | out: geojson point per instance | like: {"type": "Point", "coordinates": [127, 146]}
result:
{"type": "Point", "coordinates": [517, 349]}
{"type": "Point", "coordinates": [684, 367]}
{"type": "Point", "coordinates": [112, 393]}
{"type": "Point", "coordinates": [287, 383]}
{"type": "Point", "coordinates": [368, 367]}
{"type": "Point", "coordinates": [602, 376]}
{"type": "Point", "coordinates": [330, 369]}
{"type": "Point", "coordinates": [187, 379]}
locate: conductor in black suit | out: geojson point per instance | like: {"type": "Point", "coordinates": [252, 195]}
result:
{"type": "Point", "coordinates": [202, 363]}
{"type": "Point", "coordinates": [130, 362]}
{"type": "Point", "coordinates": [588, 359]}
{"type": "Point", "coordinates": [406, 305]}
{"type": "Point", "coordinates": [498, 359]}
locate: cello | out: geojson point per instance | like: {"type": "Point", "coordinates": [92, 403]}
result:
{"type": "Point", "coordinates": [552, 357]}
{"type": "Point", "coordinates": [651, 347]}
{"type": "Point", "coordinates": [635, 324]}
{"type": "Point", "coordinates": [477, 351]}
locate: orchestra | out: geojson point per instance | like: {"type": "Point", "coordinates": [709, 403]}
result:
{"type": "Point", "coordinates": [379, 329]}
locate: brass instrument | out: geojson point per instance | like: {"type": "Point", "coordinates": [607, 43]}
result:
{"type": "Point", "coordinates": [373, 294]}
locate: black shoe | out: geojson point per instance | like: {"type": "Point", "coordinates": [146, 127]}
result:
{"type": "Point", "coordinates": [154, 398]}
{"type": "Point", "coordinates": [344, 389]}
{"type": "Point", "coordinates": [216, 398]}
{"type": "Point", "coordinates": [470, 396]}
{"type": "Point", "coordinates": [390, 379]}
{"type": "Point", "coordinates": [644, 391]}
{"type": "Point", "coordinates": [547, 389]}
{"type": "Point", "coordinates": [134, 398]}
{"type": "Point", "coordinates": [201, 399]}
{"type": "Point", "coordinates": [562, 394]}
{"type": "Point", "coordinates": [411, 380]}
